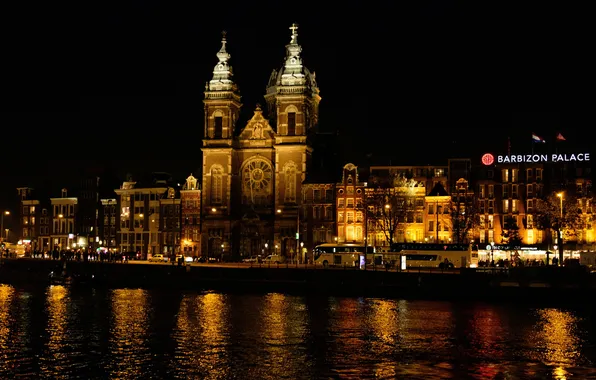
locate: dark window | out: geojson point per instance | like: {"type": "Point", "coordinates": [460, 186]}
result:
{"type": "Point", "coordinates": [218, 127]}
{"type": "Point", "coordinates": [291, 123]}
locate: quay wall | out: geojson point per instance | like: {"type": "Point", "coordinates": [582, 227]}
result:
{"type": "Point", "coordinates": [465, 284]}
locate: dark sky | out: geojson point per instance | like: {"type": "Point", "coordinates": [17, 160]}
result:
{"type": "Point", "coordinates": [412, 83]}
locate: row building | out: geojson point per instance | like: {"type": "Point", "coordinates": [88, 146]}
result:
{"type": "Point", "coordinates": [259, 190]}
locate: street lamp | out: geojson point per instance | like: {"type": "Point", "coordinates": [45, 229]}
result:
{"type": "Point", "coordinates": [2, 227]}
{"type": "Point", "coordinates": [297, 234]}
{"type": "Point", "coordinates": [560, 195]}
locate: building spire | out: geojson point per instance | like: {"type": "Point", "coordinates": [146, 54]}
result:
{"type": "Point", "coordinates": [222, 73]}
{"type": "Point", "coordinates": [222, 54]}
{"type": "Point", "coordinates": [293, 70]}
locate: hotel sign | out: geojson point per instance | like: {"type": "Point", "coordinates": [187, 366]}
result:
{"type": "Point", "coordinates": [489, 159]}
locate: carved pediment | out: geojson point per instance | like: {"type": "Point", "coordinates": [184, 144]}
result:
{"type": "Point", "coordinates": [257, 129]}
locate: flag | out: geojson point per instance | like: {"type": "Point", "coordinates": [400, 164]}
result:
{"type": "Point", "coordinates": [536, 138]}
{"type": "Point", "coordinates": [560, 137]}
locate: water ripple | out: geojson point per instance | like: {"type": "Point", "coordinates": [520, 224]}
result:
{"type": "Point", "coordinates": [61, 333]}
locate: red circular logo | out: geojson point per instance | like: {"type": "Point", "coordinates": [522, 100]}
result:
{"type": "Point", "coordinates": [488, 159]}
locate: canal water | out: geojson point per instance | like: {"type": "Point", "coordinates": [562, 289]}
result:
{"type": "Point", "coordinates": [60, 333]}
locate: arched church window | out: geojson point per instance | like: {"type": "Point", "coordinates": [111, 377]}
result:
{"type": "Point", "coordinates": [216, 130]}
{"type": "Point", "coordinates": [291, 113]}
{"type": "Point", "coordinates": [290, 182]}
{"type": "Point", "coordinates": [216, 185]}
{"type": "Point", "coordinates": [256, 181]}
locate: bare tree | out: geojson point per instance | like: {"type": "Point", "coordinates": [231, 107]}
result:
{"type": "Point", "coordinates": [384, 209]}
{"type": "Point", "coordinates": [464, 217]}
{"type": "Point", "coordinates": [550, 216]}
{"type": "Point", "coordinates": [510, 232]}
{"type": "Point", "coordinates": [388, 206]}
{"type": "Point", "coordinates": [563, 215]}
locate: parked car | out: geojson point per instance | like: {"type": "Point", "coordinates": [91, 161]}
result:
{"type": "Point", "coordinates": [253, 259]}
{"type": "Point", "coordinates": [158, 257]}
{"type": "Point", "coordinates": [274, 259]}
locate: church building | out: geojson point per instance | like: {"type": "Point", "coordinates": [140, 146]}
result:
{"type": "Point", "coordinates": [253, 174]}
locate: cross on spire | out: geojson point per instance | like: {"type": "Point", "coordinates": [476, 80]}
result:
{"type": "Point", "coordinates": [294, 29]}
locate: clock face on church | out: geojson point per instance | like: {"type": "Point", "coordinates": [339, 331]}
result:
{"type": "Point", "coordinates": [257, 176]}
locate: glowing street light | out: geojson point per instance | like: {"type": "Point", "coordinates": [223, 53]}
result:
{"type": "Point", "coordinates": [560, 239]}
{"type": "Point", "coordinates": [560, 195]}
{"type": "Point", "coordinates": [6, 212]}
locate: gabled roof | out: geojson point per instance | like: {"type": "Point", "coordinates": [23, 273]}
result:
{"type": "Point", "coordinates": [438, 191]}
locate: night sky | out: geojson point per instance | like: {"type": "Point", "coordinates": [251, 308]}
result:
{"type": "Point", "coordinates": [402, 84]}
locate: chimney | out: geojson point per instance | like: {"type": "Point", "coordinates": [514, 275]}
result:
{"type": "Point", "coordinates": [64, 193]}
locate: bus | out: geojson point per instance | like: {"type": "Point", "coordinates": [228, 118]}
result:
{"type": "Point", "coordinates": [329, 254]}
{"type": "Point", "coordinates": [437, 255]}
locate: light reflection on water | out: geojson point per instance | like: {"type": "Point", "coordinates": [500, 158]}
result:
{"type": "Point", "coordinates": [57, 333]}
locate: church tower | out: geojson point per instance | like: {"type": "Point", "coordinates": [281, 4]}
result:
{"type": "Point", "coordinates": [222, 108]}
{"type": "Point", "coordinates": [292, 99]}
{"type": "Point", "coordinates": [252, 179]}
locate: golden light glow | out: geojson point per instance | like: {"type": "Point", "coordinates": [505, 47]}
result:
{"type": "Point", "coordinates": [129, 336]}
{"type": "Point", "coordinates": [6, 334]}
{"type": "Point", "coordinates": [57, 301]}
{"type": "Point", "coordinates": [558, 333]}
{"type": "Point", "coordinates": [60, 216]}
{"type": "Point", "coordinates": [6, 212]}
{"type": "Point", "coordinates": [210, 332]}
{"type": "Point", "coordinates": [384, 313]}
{"type": "Point", "coordinates": [281, 329]}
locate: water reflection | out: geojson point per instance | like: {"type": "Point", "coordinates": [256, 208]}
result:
{"type": "Point", "coordinates": [6, 298]}
{"type": "Point", "coordinates": [55, 360]}
{"type": "Point", "coordinates": [556, 339]}
{"type": "Point", "coordinates": [128, 342]}
{"type": "Point", "coordinates": [202, 337]}
{"type": "Point", "coordinates": [384, 326]}
{"type": "Point", "coordinates": [131, 334]}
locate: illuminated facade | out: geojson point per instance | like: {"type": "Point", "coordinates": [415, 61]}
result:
{"type": "Point", "coordinates": [168, 223]}
{"type": "Point", "coordinates": [252, 179]}
{"type": "Point", "coordinates": [350, 203]}
{"type": "Point", "coordinates": [437, 216]}
{"type": "Point", "coordinates": [107, 225]}
{"type": "Point", "coordinates": [190, 201]}
{"type": "Point", "coordinates": [512, 190]}
{"type": "Point", "coordinates": [64, 211]}
{"type": "Point", "coordinates": [33, 229]}
{"type": "Point", "coordinates": [137, 220]}
{"type": "Point", "coordinates": [318, 225]}
{"type": "Point", "coordinates": [412, 212]}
